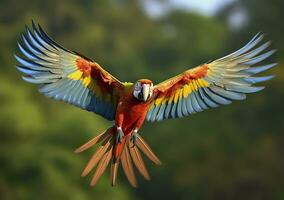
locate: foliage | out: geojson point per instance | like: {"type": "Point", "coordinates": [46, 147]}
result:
{"type": "Point", "coordinates": [233, 152]}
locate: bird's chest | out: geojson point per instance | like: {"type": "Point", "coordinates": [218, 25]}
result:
{"type": "Point", "coordinates": [133, 111]}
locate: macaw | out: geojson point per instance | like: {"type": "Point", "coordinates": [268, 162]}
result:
{"type": "Point", "coordinates": [68, 76]}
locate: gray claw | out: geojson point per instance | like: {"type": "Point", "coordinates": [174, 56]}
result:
{"type": "Point", "coordinates": [119, 136]}
{"type": "Point", "coordinates": [134, 137]}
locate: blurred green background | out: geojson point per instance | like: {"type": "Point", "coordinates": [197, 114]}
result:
{"type": "Point", "coordinates": [233, 152]}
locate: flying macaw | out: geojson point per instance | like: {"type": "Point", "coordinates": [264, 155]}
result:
{"type": "Point", "coordinates": [67, 76]}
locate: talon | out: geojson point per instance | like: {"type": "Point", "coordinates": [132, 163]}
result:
{"type": "Point", "coordinates": [119, 135]}
{"type": "Point", "coordinates": [134, 138]}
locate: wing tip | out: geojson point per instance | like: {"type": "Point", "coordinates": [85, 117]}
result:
{"type": "Point", "coordinates": [29, 79]}
{"type": "Point", "coordinates": [16, 57]}
{"type": "Point", "coordinates": [254, 80]}
{"type": "Point", "coordinates": [257, 89]}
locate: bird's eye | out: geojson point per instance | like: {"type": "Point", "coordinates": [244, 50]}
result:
{"type": "Point", "coordinates": [137, 86]}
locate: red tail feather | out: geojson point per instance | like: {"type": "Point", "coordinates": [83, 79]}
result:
{"type": "Point", "coordinates": [124, 152]}
{"type": "Point", "coordinates": [117, 149]}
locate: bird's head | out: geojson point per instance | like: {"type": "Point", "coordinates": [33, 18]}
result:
{"type": "Point", "coordinates": [143, 90]}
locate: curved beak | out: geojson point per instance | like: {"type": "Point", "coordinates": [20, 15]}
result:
{"type": "Point", "coordinates": [145, 91]}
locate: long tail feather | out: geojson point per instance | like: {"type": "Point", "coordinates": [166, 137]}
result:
{"type": "Point", "coordinates": [97, 156]}
{"type": "Point", "coordinates": [147, 150]}
{"type": "Point", "coordinates": [101, 168]}
{"type": "Point", "coordinates": [113, 172]}
{"type": "Point", "coordinates": [94, 141]}
{"type": "Point", "coordinates": [116, 155]}
{"type": "Point", "coordinates": [139, 163]}
{"type": "Point", "coordinates": [128, 167]}
{"type": "Point", "coordinates": [118, 149]}
{"type": "Point", "coordinates": [124, 152]}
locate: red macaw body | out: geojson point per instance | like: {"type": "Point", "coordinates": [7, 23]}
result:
{"type": "Point", "coordinates": [70, 77]}
{"type": "Point", "coordinates": [131, 112]}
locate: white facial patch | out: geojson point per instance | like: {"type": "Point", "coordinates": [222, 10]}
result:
{"type": "Point", "coordinates": [137, 90]}
{"type": "Point", "coordinates": [137, 86]}
{"type": "Point", "coordinates": [143, 92]}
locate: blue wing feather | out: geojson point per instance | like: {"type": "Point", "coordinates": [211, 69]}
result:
{"type": "Point", "coordinates": [179, 108]}
{"type": "Point", "coordinates": [47, 63]}
{"type": "Point", "coordinates": [161, 112]}
{"type": "Point", "coordinates": [256, 70]}
{"type": "Point", "coordinates": [168, 110]}
{"type": "Point", "coordinates": [202, 105]}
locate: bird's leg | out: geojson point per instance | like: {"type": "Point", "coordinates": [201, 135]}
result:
{"type": "Point", "coordinates": [118, 122]}
{"type": "Point", "coordinates": [134, 136]}
{"type": "Point", "coordinates": [119, 135]}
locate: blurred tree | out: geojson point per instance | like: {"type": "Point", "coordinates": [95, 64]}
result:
{"type": "Point", "coordinates": [234, 152]}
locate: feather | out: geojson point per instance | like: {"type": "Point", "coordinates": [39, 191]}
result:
{"type": "Point", "coordinates": [51, 87]}
{"type": "Point", "coordinates": [92, 104]}
{"type": "Point", "coordinates": [155, 112]}
{"type": "Point", "coordinates": [101, 167]}
{"type": "Point", "coordinates": [38, 45]}
{"type": "Point", "coordinates": [179, 107]}
{"type": "Point", "coordinates": [207, 99]}
{"type": "Point", "coordinates": [138, 162]}
{"type": "Point", "coordinates": [168, 110]}
{"type": "Point", "coordinates": [149, 113]}
{"type": "Point", "coordinates": [128, 156]}
{"type": "Point", "coordinates": [254, 41]}
{"type": "Point", "coordinates": [259, 58]}
{"type": "Point", "coordinates": [256, 70]}
{"type": "Point", "coordinates": [195, 104]}
{"type": "Point", "coordinates": [26, 53]}
{"type": "Point", "coordinates": [30, 47]}
{"type": "Point", "coordinates": [228, 94]}
{"type": "Point", "coordinates": [129, 161]}
{"type": "Point", "coordinates": [51, 41]}
{"type": "Point", "coordinates": [244, 89]}
{"type": "Point", "coordinates": [113, 172]}
{"type": "Point", "coordinates": [96, 157]}
{"type": "Point", "coordinates": [76, 97]}
{"type": "Point", "coordinates": [147, 150]}
{"type": "Point", "coordinates": [216, 98]}
{"type": "Point", "coordinates": [200, 101]}
{"type": "Point", "coordinates": [42, 41]}
{"type": "Point", "coordinates": [28, 71]}
{"type": "Point", "coordinates": [127, 167]}
{"type": "Point", "coordinates": [254, 80]}
{"type": "Point", "coordinates": [30, 64]}
{"type": "Point", "coordinates": [184, 107]}
{"type": "Point", "coordinates": [257, 50]}
{"type": "Point", "coordinates": [69, 90]}
{"type": "Point", "coordinates": [215, 83]}
{"type": "Point", "coordinates": [174, 110]}
{"type": "Point", "coordinates": [59, 92]}
{"type": "Point", "coordinates": [84, 96]}
{"type": "Point", "coordinates": [44, 52]}
{"type": "Point", "coordinates": [46, 76]}
{"type": "Point", "coordinates": [86, 99]}
{"type": "Point", "coordinates": [99, 138]}
{"type": "Point", "coordinates": [130, 165]}
{"type": "Point", "coordinates": [46, 62]}
{"type": "Point", "coordinates": [37, 81]}
{"type": "Point", "coordinates": [189, 105]}
{"type": "Point", "coordinates": [160, 114]}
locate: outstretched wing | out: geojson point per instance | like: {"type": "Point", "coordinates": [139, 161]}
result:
{"type": "Point", "coordinates": [211, 85]}
{"type": "Point", "coordinates": [67, 76]}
